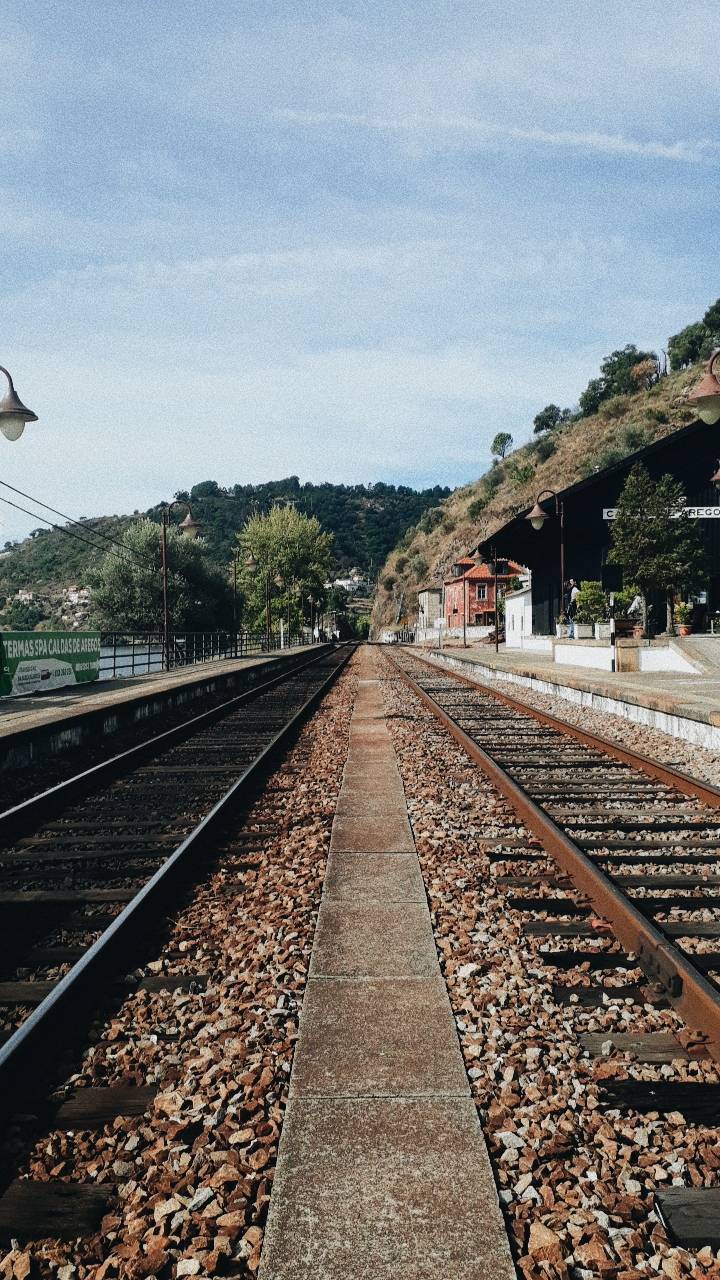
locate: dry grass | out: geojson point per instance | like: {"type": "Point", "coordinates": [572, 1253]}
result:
{"type": "Point", "coordinates": [623, 425]}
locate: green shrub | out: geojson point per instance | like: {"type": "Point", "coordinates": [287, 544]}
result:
{"type": "Point", "coordinates": [389, 581]}
{"type": "Point", "coordinates": [401, 564]}
{"type": "Point", "coordinates": [544, 448]}
{"type": "Point", "coordinates": [476, 508]}
{"type": "Point", "coordinates": [419, 567]}
{"type": "Point", "coordinates": [520, 473]}
{"type": "Point", "coordinates": [431, 519]}
{"type": "Point", "coordinates": [613, 408]}
{"type": "Point", "coordinates": [635, 438]}
{"type": "Point", "coordinates": [656, 415]}
{"type": "Point", "coordinates": [591, 603]}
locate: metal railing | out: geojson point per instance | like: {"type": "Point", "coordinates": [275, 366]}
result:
{"type": "Point", "coordinates": [125, 654]}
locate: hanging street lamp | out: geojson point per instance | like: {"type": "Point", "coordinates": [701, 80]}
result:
{"type": "Point", "coordinates": [537, 518]}
{"type": "Point", "coordinates": [13, 413]}
{"type": "Point", "coordinates": [705, 397]}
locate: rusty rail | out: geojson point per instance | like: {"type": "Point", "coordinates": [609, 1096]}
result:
{"type": "Point", "coordinates": [695, 998]}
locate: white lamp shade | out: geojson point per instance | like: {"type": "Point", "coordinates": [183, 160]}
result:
{"type": "Point", "coordinates": [12, 425]}
{"type": "Point", "coordinates": [708, 409]}
{"type": "Point", "coordinates": [537, 522]}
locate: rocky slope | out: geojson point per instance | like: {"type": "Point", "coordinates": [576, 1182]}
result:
{"type": "Point", "coordinates": [554, 460]}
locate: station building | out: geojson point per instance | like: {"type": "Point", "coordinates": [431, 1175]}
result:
{"type": "Point", "coordinates": [689, 455]}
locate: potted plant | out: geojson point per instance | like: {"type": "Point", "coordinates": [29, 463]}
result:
{"type": "Point", "coordinates": [591, 609]}
{"type": "Point", "coordinates": [682, 614]}
{"type": "Point", "coordinates": [561, 627]}
{"type": "Point", "coordinates": [625, 623]}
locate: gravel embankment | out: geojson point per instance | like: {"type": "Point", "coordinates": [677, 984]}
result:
{"type": "Point", "coordinates": [576, 1183]}
{"type": "Point", "coordinates": [193, 1177]}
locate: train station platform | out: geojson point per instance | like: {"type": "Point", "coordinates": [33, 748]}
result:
{"type": "Point", "coordinates": [684, 704]}
{"type": "Point", "coordinates": [49, 723]}
{"type": "Point", "coordinates": [382, 1169]}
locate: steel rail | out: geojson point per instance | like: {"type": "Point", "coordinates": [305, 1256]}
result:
{"type": "Point", "coordinates": [24, 1057]}
{"type": "Point", "coordinates": [675, 778]}
{"type": "Point", "coordinates": [22, 817]}
{"type": "Point", "coordinates": [696, 999]}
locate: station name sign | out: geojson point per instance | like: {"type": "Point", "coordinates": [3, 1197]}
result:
{"type": "Point", "coordinates": [695, 513]}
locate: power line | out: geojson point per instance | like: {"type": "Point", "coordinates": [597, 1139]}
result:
{"type": "Point", "coordinates": [106, 537]}
{"type": "Point", "coordinates": [68, 532]}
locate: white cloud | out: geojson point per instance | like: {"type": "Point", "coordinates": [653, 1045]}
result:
{"type": "Point", "coordinates": [698, 151]}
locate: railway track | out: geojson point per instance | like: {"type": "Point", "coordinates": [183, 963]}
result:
{"type": "Point", "coordinates": [87, 867]}
{"type": "Point", "coordinates": [633, 889]}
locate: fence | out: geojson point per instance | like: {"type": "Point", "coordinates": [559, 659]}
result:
{"type": "Point", "coordinates": [126, 654]}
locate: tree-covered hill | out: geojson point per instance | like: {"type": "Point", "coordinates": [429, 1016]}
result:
{"type": "Point", "coordinates": [366, 521]}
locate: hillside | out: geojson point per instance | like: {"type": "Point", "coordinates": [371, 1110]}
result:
{"type": "Point", "coordinates": [555, 459]}
{"type": "Point", "coordinates": [366, 521]}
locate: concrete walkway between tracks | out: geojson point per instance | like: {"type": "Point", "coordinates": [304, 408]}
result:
{"type": "Point", "coordinates": [383, 1170]}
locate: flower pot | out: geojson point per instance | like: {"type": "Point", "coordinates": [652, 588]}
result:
{"type": "Point", "coordinates": [583, 630]}
{"type": "Point", "coordinates": [561, 630]}
{"type": "Point", "coordinates": [684, 629]}
{"type": "Point", "coordinates": [638, 631]}
{"type": "Point", "coordinates": [602, 630]}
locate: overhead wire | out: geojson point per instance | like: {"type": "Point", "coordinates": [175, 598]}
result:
{"type": "Point", "coordinates": [69, 533]}
{"type": "Point", "coordinates": [97, 533]}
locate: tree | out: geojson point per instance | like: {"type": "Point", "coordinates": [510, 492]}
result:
{"type": "Point", "coordinates": [687, 346]}
{"type": "Point", "coordinates": [292, 552]}
{"type": "Point", "coordinates": [127, 586]}
{"type": "Point", "coordinates": [592, 397]}
{"type": "Point", "coordinates": [619, 376]}
{"type": "Point", "coordinates": [502, 442]}
{"type": "Point", "coordinates": [550, 417]}
{"type": "Point", "coordinates": [711, 319]}
{"type": "Point", "coordinates": [656, 543]}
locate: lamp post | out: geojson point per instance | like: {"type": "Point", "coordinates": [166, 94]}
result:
{"type": "Point", "coordinates": [537, 518]}
{"type": "Point", "coordinates": [188, 528]}
{"type": "Point", "coordinates": [705, 397]}
{"type": "Point", "coordinates": [14, 415]}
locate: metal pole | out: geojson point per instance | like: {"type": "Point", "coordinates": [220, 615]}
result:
{"type": "Point", "coordinates": [235, 564]}
{"type": "Point", "coordinates": [497, 637]}
{"type": "Point", "coordinates": [464, 613]}
{"type": "Point", "coordinates": [562, 554]}
{"type": "Point", "coordinates": [268, 613]}
{"type": "Point", "coordinates": [166, 611]}
{"type": "Point", "coordinates": [613, 642]}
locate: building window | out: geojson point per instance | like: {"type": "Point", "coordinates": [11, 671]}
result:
{"type": "Point", "coordinates": [481, 591]}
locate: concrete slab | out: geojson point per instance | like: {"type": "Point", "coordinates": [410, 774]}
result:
{"type": "Point", "coordinates": [394, 1190]}
{"type": "Point", "coordinates": [365, 833]}
{"type": "Point", "coordinates": [378, 1039]}
{"type": "Point", "coordinates": [373, 940]}
{"type": "Point", "coordinates": [374, 877]}
{"type": "Point", "coordinates": [382, 1171]}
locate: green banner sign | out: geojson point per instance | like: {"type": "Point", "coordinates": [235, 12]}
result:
{"type": "Point", "coordinates": [37, 660]}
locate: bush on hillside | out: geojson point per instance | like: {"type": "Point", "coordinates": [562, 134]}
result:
{"type": "Point", "coordinates": [476, 508]}
{"type": "Point", "coordinates": [543, 448]}
{"type": "Point", "coordinates": [430, 519]}
{"type": "Point", "coordinates": [389, 581]}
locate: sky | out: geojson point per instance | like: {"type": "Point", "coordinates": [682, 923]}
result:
{"type": "Point", "coordinates": [346, 241]}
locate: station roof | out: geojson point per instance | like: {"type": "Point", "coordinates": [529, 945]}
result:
{"type": "Point", "coordinates": [516, 536]}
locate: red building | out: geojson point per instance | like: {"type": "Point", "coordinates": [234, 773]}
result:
{"type": "Point", "coordinates": [471, 591]}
